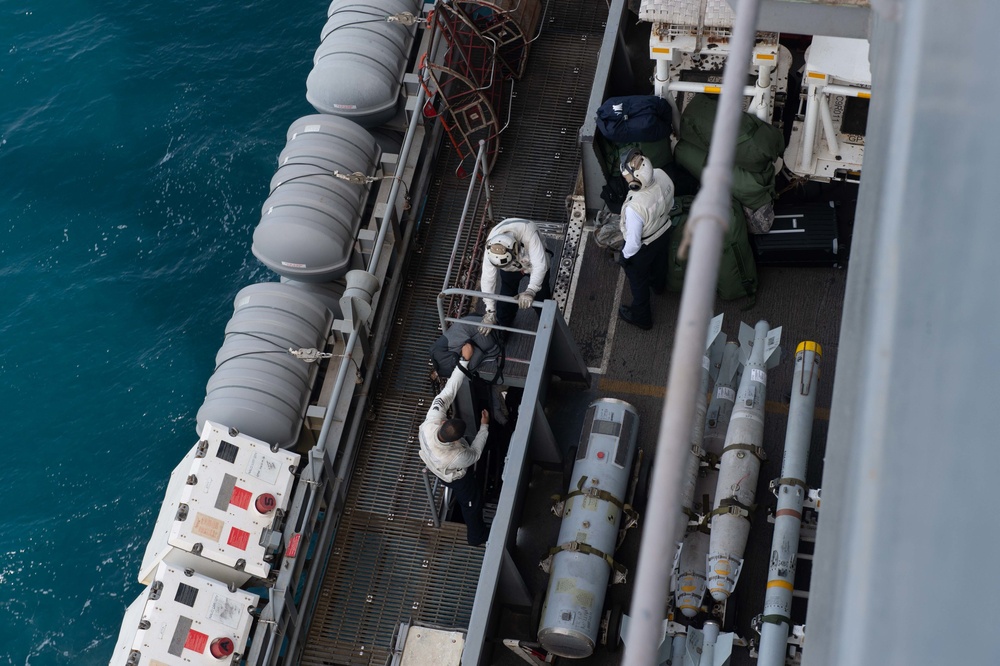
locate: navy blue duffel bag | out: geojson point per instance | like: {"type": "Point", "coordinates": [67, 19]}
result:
{"type": "Point", "coordinates": [634, 118]}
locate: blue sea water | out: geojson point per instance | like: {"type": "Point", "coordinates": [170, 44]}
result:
{"type": "Point", "coordinates": [137, 140]}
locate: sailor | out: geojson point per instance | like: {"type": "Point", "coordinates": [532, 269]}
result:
{"type": "Point", "coordinates": [444, 451]}
{"type": "Point", "coordinates": [645, 219]}
{"type": "Point", "coordinates": [514, 248]}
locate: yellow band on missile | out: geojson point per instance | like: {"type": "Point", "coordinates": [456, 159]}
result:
{"type": "Point", "coordinates": [779, 583]}
{"type": "Point", "coordinates": [659, 49]}
{"type": "Point", "coordinates": [765, 56]}
{"type": "Point", "coordinates": [808, 345]}
{"type": "Point", "coordinates": [865, 95]}
{"type": "Point", "coordinates": [816, 75]}
{"type": "Point", "coordinates": [713, 89]}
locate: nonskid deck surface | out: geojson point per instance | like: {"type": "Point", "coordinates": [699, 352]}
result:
{"type": "Point", "coordinates": [388, 563]}
{"type": "Point", "coordinates": [633, 365]}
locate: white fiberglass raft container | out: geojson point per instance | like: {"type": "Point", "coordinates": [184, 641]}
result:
{"type": "Point", "coordinates": [220, 511]}
{"type": "Point", "coordinates": [185, 619]}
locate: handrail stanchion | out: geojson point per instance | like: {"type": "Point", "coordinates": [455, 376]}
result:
{"type": "Point", "coordinates": [390, 207]}
{"type": "Point", "coordinates": [709, 218]}
{"type": "Point", "coordinates": [480, 160]}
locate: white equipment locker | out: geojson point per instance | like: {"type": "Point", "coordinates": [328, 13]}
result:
{"type": "Point", "coordinates": [184, 618]}
{"type": "Point", "coordinates": [221, 502]}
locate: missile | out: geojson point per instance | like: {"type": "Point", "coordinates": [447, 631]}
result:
{"type": "Point", "coordinates": [689, 576]}
{"type": "Point", "coordinates": [690, 579]}
{"type": "Point", "coordinates": [791, 491]}
{"type": "Point", "coordinates": [720, 408]}
{"type": "Point", "coordinates": [705, 647]}
{"type": "Point", "coordinates": [714, 346]}
{"type": "Point", "coordinates": [740, 462]}
{"type": "Point", "coordinates": [690, 587]}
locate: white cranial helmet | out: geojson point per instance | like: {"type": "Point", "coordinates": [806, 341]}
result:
{"type": "Point", "coordinates": [637, 169]}
{"type": "Point", "coordinates": [500, 250]}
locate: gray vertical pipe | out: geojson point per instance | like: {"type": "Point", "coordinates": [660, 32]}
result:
{"type": "Point", "coordinates": [709, 219]}
{"type": "Point", "coordinates": [788, 515]}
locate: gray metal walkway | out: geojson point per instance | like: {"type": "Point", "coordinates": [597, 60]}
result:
{"type": "Point", "coordinates": [384, 567]}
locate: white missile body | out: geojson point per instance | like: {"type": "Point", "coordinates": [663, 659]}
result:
{"type": "Point", "coordinates": [689, 577]}
{"type": "Point", "coordinates": [740, 462]}
{"type": "Point", "coordinates": [791, 491]}
{"type": "Point", "coordinates": [690, 582]}
{"type": "Point", "coordinates": [714, 346]}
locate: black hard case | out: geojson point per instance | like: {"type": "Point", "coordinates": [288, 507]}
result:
{"type": "Point", "coordinates": [803, 234]}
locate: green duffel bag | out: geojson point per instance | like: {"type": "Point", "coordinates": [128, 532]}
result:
{"type": "Point", "coordinates": [737, 269]}
{"type": "Point", "coordinates": [753, 190]}
{"type": "Point", "coordinates": [758, 144]}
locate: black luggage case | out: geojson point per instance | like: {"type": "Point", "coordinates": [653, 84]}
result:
{"type": "Point", "coordinates": [803, 234]}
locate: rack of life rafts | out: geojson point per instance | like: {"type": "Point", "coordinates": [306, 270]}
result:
{"type": "Point", "coordinates": [218, 536]}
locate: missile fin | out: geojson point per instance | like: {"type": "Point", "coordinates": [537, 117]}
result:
{"type": "Point", "coordinates": [772, 348]}
{"type": "Point", "coordinates": [746, 342]}
{"type": "Point", "coordinates": [714, 330]}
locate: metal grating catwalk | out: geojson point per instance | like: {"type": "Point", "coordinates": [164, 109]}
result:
{"type": "Point", "coordinates": [388, 562]}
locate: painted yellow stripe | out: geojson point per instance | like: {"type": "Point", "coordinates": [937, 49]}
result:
{"type": "Point", "coordinates": [816, 75]}
{"type": "Point", "coordinates": [780, 583]}
{"type": "Point", "coordinates": [635, 388]}
{"type": "Point", "coordinates": [864, 95]}
{"type": "Point", "coordinates": [659, 49]}
{"type": "Point", "coordinates": [713, 89]}
{"type": "Point", "coordinates": [808, 345]}
{"type": "Point", "coordinates": [765, 56]}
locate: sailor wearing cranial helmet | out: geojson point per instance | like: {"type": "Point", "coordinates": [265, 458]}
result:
{"type": "Point", "coordinates": [514, 249]}
{"type": "Point", "coordinates": [644, 222]}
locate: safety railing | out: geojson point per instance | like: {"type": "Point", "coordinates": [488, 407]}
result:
{"type": "Point", "coordinates": [703, 240]}
{"type": "Point", "coordinates": [478, 190]}
{"type": "Point", "coordinates": [321, 490]}
{"type": "Point", "coordinates": [455, 291]}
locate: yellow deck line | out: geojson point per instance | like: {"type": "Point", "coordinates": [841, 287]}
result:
{"type": "Point", "coordinates": [652, 391]}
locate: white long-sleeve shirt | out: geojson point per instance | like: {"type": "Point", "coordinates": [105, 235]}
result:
{"type": "Point", "coordinates": [633, 232]}
{"type": "Point", "coordinates": [448, 460]}
{"type": "Point", "coordinates": [529, 257]}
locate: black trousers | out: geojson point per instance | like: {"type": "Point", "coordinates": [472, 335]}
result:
{"type": "Point", "coordinates": [510, 285]}
{"type": "Point", "coordinates": [469, 496]}
{"type": "Point", "coordinates": [647, 268]}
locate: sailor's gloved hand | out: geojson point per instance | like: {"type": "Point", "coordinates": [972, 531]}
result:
{"type": "Point", "coordinates": [624, 261]}
{"type": "Point", "coordinates": [525, 299]}
{"type": "Point", "coordinates": [489, 318]}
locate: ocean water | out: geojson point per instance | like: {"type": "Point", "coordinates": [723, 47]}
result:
{"type": "Point", "coordinates": [137, 140]}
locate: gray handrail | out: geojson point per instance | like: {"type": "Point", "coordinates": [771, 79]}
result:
{"type": "Point", "coordinates": [456, 291]}
{"type": "Point", "coordinates": [480, 162]}
{"type": "Point", "coordinates": [704, 231]}
{"type": "Point", "coordinates": [390, 207]}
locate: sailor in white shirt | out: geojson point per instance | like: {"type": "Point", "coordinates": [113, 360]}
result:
{"type": "Point", "coordinates": [645, 220]}
{"type": "Point", "coordinates": [514, 249]}
{"type": "Point", "coordinates": [446, 454]}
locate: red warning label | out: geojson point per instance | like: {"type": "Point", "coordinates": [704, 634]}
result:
{"type": "Point", "coordinates": [196, 641]}
{"type": "Point", "coordinates": [240, 497]}
{"type": "Point", "coordinates": [293, 545]}
{"type": "Point", "coordinates": [238, 538]}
